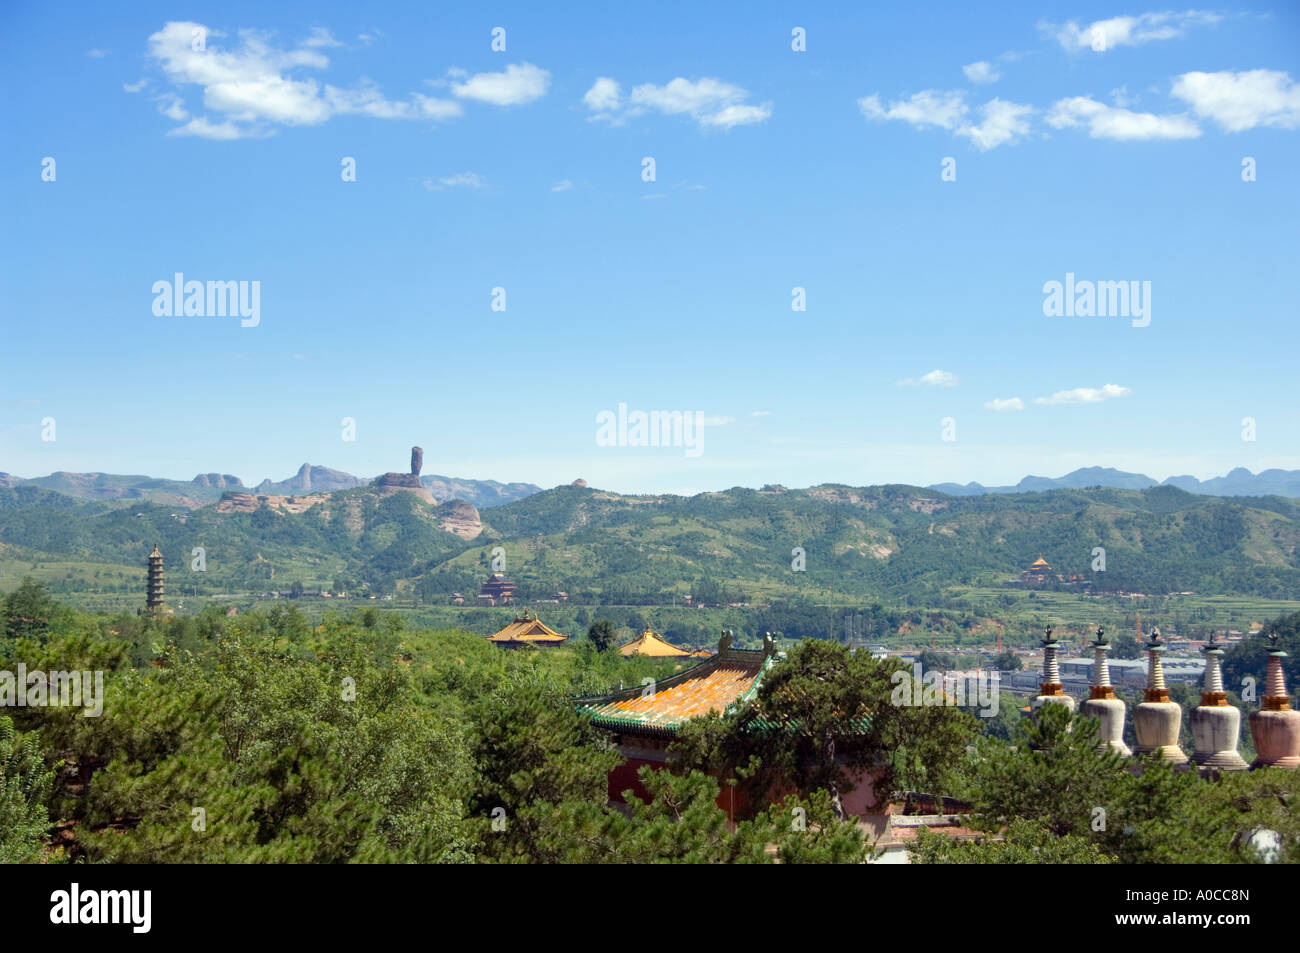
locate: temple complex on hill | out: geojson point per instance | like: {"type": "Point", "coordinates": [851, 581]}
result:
{"type": "Point", "coordinates": [497, 590]}
{"type": "Point", "coordinates": [1040, 573]}
{"type": "Point", "coordinates": [526, 631]}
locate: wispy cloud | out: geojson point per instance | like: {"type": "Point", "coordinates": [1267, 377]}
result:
{"type": "Point", "coordinates": [517, 84]}
{"type": "Point", "coordinates": [461, 180]}
{"type": "Point", "coordinates": [95, 53]}
{"type": "Point", "coordinates": [1103, 35]}
{"type": "Point", "coordinates": [712, 103]}
{"type": "Point", "coordinates": [981, 71]}
{"type": "Point", "coordinates": [935, 378]}
{"type": "Point", "coordinates": [252, 87]}
{"type": "Point", "coordinates": [1002, 405]}
{"type": "Point", "coordinates": [1001, 122]}
{"type": "Point", "coordinates": [1113, 122]}
{"type": "Point", "coordinates": [1085, 395]}
{"type": "Point", "coordinates": [1238, 101]}
{"type": "Point", "coordinates": [564, 185]}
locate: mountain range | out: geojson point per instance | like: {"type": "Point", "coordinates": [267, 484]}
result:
{"type": "Point", "coordinates": [1238, 482]}
{"type": "Point", "coordinates": [893, 544]}
{"type": "Point", "coordinates": [209, 487]}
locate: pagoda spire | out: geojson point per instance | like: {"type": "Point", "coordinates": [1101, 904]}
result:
{"type": "Point", "coordinates": [1102, 703]}
{"type": "Point", "coordinates": [1216, 725]}
{"type": "Point", "coordinates": [1051, 689]}
{"type": "Point", "coordinates": [154, 598]}
{"type": "Point", "coordinates": [1158, 721]}
{"type": "Point", "coordinates": [1276, 726]}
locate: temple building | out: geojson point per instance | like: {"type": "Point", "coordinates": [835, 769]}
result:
{"type": "Point", "coordinates": [497, 589]}
{"type": "Point", "coordinates": [644, 719]}
{"type": "Point", "coordinates": [652, 644]}
{"type": "Point", "coordinates": [525, 631]}
{"type": "Point", "coordinates": [1039, 573]}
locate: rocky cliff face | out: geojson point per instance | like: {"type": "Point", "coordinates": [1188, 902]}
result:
{"type": "Point", "coordinates": [460, 518]}
{"type": "Point", "coordinates": [218, 481]}
{"type": "Point", "coordinates": [248, 502]}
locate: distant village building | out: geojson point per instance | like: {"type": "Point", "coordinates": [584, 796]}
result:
{"type": "Point", "coordinates": [457, 599]}
{"type": "Point", "coordinates": [497, 589]}
{"type": "Point", "coordinates": [525, 631]}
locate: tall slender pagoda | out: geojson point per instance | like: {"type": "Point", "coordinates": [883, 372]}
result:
{"type": "Point", "coordinates": [1276, 726]}
{"type": "Point", "coordinates": [1216, 725]}
{"type": "Point", "coordinates": [1051, 689]}
{"type": "Point", "coordinates": [154, 600]}
{"type": "Point", "coordinates": [1158, 721]}
{"type": "Point", "coordinates": [1102, 703]}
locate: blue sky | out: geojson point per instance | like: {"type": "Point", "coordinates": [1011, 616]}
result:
{"type": "Point", "coordinates": [775, 168]}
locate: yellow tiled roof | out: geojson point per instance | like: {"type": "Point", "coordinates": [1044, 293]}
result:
{"type": "Point", "coordinates": [525, 629]}
{"type": "Point", "coordinates": [714, 685]}
{"type": "Point", "coordinates": [653, 644]}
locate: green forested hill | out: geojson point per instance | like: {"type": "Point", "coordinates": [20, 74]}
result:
{"type": "Point", "coordinates": [882, 543]}
{"type": "Point", "coordinates": [890, 540]}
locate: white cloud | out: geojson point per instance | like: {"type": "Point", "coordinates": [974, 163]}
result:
{"type": "Point", "coordinates": [171, 106]}
{"type": "Point", "coordinates": [136, 86]}
{"type": "Point", "coordinates": [461, 180]}
{"type": "Point", "coordinates": [253, 86]}
{"type": "Point", "coordinates": [564, 185]}
{"type": "Point", "coordinates": [1103, 35]}
{"type": "Point", "coordinates": [1112, 122]}
{"type": "Point", "coordinates": [519, 83]}
{"type": "Point", "coordinates": [320, 37]}
{"type": "Point", "coordinates": [1002, 405]}
{"type": "Point", "coordinates": [605, 95]}
{"type": "Point", "coordinates": [200, 126]}
{"type": "Point", "coordinates": [712, 103]}
{"type": "Point", "coordinates": [717, 420]}
{"type": "Point", "coordinates": [96, 53]}
{"type": "Point", "coordinates": [930, 107]}
{"type": "Point", "coordinates": [760, 413]}
{"type": "Point", "coordinates": [433, 108]}
{"type": "Point", "coordinates": [738, 115]}
{"type": "Point", "coordinates": [1085, 395]}
{"type": "Point", "coordinates": [935, 378]}
{"type": "Point", "coordinates": [1003, 122]}
{"type": "Point", "coordinates": [981, 71]}
{"type": "Point", "coordinates": [1242, 100]}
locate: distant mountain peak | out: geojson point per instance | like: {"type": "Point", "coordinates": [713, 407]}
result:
{"type": "Point", "coordinates": [1238, 482]}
